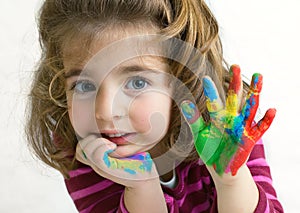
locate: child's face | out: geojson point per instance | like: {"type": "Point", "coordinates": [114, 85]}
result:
{"type": "Point", "coordinates": [128, 105]}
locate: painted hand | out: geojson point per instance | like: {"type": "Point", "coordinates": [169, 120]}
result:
{"type": "Point", "coordinates": [228, 139]}
{"type": "Point", "coordinates": [95, 152]}
{"type": "Point", "coordinates": [140, 162]}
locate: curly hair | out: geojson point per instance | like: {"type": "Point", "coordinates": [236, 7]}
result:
{"type": "Point", "coordinates": [49, 130]}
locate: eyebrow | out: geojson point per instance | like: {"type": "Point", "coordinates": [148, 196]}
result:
{"type": "Point", "coordinates": [136, 68]}
{"type": "Point", "coordinates": [121, 70]}
{"type": "Point", "coordinates": [72, 72]}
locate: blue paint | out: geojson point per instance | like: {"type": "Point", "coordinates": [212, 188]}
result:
{"type": "Point", "coordinates": [130, 171]}
{"type": "Point", "coordinates": [134, 157]}
{"type": "Point", "coordinates": [238, 125]}
{"type": "Point", "coordinates": [246, 109]}
{"type": "Point", "coordinates": [138, 156]}
{"type": "Point", "coordinates": [256, 80]}
{"type": "Point", "coordinates": [188, 110]}
{"type": "Point", "coordinates": [105, 158]}
{"type": "Point", "coordinates": [148, 165]}
{"type": "Point", "coordinates": [144, 158]}
{"type": "Point", "coordinates": [252, 100]}
{"type": "Point", "coordinates": [209, 89]}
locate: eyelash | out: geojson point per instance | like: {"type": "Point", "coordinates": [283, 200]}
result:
{"type": "Point", "coordinates": [76, 83]}
{"type": "Point", "coordinates": [140, 78]}
{"type": "Point", "coordinates": [127, 87]}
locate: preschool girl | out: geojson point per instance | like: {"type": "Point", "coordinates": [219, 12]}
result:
{"type": "Point", "coordinates": [133, 102]}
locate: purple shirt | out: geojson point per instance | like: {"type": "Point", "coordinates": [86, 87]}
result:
{"type": "Point", "coordinates": [194, 193]}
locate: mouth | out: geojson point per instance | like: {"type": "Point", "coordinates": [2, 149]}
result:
{"type": "Point", "coordinates": [118, 138]}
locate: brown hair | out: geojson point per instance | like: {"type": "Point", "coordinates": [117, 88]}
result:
{"type": "Point", "coordinates": [49, 131]}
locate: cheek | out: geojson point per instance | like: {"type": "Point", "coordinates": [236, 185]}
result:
{"type": "Point", "coordinates": [150, 113]}
{"type": "Point", "coordinates": [80, 116]}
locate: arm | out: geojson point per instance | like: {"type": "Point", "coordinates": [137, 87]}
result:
{"type": "Point", "coordinates": [145, 195]}
{"type": "Point", "coordinates": [226, 142]}
{"type": "Point", "coordinates": [92, 193]}
{"type": "Point", "coordinates": [141, 190]}
{"type": "Point", "coordinates": [236, 194]}
{"type": "Point", "coordinates": [148, 197]}
{"type": "Point", "coordinates": [261, 174]}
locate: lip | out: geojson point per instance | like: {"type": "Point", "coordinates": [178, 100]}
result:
{"type": "Point", "coordinates": [112, 131]}
{"type": "Point", "coordinates": [122, 140]}
{"type": "Point", "coordinates": [119, 141]}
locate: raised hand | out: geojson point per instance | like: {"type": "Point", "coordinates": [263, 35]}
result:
{"type": "Point", "coordinates": [228, 139]}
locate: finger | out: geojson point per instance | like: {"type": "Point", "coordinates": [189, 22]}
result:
{"type": "Point", "coordinates": [263, 125]}
{"type": "Point", "coordinates": [98, 153]}
{"type": "Point", "coordinates": [241, 155]}
{"type": "Point", "coordinates": [250, 139]}
{"type": "Point", "coordinates": [140, 162]}
{"type": "Point", "coordinates": [96, 149]}
{"type": "Point", "coordinates": [89, 152]}
{"type": "Point", "coordinates": [236, 80]}
{"type": "Point", "coordinates": [80, 154]}
{"type": "Point", "coordinates": [213, 102]}
{"type": "Point", "coordinates": [207, 140]}
{"type": "Point", "coordinates": [192, 116]}
{"type": "Point", "coordinates": [252, 101]}
{"type": "Point", "coordinates": [234, 91]}
{"type": "Point", "coordinates": [85, 141]}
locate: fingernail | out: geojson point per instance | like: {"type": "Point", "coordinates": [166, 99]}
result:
{"type": "Point", "coordinates": [209, 89]}
{"type": "Point", "coordinates": [111, 147]}
{"type": "Point", "coordinates": [256, 82]}
{"type": "Point", "coordinates": [236, 81]}
{"type": "Point", "coordinates": [235, 69]}
{"type": "Point", "coordinates": [190, 111]}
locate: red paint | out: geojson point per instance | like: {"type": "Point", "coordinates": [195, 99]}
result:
{"type": "Point", "coordinates": [236, 80]}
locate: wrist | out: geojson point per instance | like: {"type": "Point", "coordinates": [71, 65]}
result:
{"type": "Point", "coordinates": [227, 179]}
{"type": "Point", "coordinates": [230, 188]}
{"type": "Point", "coordinates": [140, 186]}
{"type": "Point", "coordinates": [145, 197]}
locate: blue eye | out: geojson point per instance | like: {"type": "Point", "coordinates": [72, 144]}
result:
{"type": "Point", "coordinates": [137, 83]}
{"type": "Point", "coordinates": [83, 87]}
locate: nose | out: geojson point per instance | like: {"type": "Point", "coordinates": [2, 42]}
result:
{"type": "Point", "coordinates": [108, 106]}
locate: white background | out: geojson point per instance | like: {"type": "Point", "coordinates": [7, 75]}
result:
{"type": "Point", "coordinates": [260, 36]}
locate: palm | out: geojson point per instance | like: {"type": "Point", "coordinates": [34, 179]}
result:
{"type": "Point", "coordinates": [228, 139]}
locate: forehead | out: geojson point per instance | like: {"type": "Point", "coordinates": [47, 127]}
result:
{"type": "Point", "coordinates": [109, 42]}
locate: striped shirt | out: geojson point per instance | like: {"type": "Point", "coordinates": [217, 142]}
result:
{"type": "Point", "coordinates": [195, 191]}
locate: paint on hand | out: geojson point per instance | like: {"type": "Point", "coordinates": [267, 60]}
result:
{"type": "Point", "coordinates": [140, 162]}
{"type": "Point", "coordinates": [189, 109]}
{"type": "Point", "coordinates": [227, 141]}
{"type": "Point", "coordinates": [213, 102]}
{"type": "Point", "coordinates": [209, 89]}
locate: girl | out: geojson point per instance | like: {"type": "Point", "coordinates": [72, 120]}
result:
{"type": "Point", "coordinates": [107, 92]}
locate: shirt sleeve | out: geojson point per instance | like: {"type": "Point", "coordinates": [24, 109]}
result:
{"type": "Point", "coordinates": [260, 170]}
{"type": "Point", "coordinates": [122, 207]}
{"type": "Point", "coordinates": [92, 193]}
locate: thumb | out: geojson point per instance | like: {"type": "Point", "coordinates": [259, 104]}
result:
{"type": "Point", "coordinates": [91, 150]}
{"type": "Point", "coordinates": [192, 116]}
